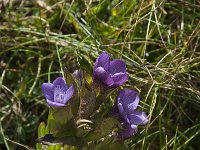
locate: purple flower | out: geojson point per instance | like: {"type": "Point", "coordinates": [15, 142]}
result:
{"type": "Point", "coordinates": [58, 93]}
{"type": "Point", "coordinates": [129, 130]}
{"type": "Point", "coordinates": [127, 102]}
{"type": "Point", "coordinates": [110, 73]}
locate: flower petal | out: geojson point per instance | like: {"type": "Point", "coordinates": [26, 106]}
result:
{"type": "Point", "coordinates": [47, 90]}
{"type": "Point", "coordinates": [55, 104]}
{"type": "Point", "coordinates": [117, 66]}
{"type": "Point", "coordinates": [138, 118]}
{"type": "Point", "coordinates": [129, 131]}
{"type": "Point", "coordinates": [101, 74]}
{"type": "Point", "coordinates": [103, 61]}
{"type": "Point", "coordinates": [69, 94]}
{"type": "Point", "coordinates": [120, 78]}
{"type": "Point", "coordinates": [121, 109]}
{"type": "Point", "coordinates": [60, 82]}
{"type": "Point", "coordinates": [123, 113]}
{"type": "Point", "coordinates": [120, 96]}
{"type": "Point", "coordinates": [129, 100]}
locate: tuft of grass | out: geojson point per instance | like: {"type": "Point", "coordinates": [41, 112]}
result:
{"type": "Point", "coordinates": [158, 40]}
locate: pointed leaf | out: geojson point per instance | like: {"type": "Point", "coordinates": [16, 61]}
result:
{"type": "Point", "coordinates": [87, 78]}
{"type": "Point", "coordinates": [102, 128]}
{"type": "Point", "coordinates": [60, 122]}
{"type": "Point", "coordinates": [102, 97]}
{"type": "Point", "coordinates": [49, 139]}
{"type": "Point", "coordinates": [42, 130]}
{"type": "Point", "coordinates": [74, 101]}
{"type": "Point", "coordinates": [55, 147]}
{"type": "Point", "coordinates": [87, 103]}
{"type": "Point", "coordinates": [68, 77]}
{"type": "Point", "coordinates": [111, 143]}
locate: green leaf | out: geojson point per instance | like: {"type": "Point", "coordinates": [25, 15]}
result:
{"type": "Point", "coordinates": [83, 79]}
{"type": "Point", "coordinates": [60, 121]}
{"type": "Point", "coordinates": [102, 97]}
{"type": "Point", "coordinates": [74, 101]}
{"type": "Point", "coordinates": [42, 130]}
{"type": "Point", "coordinates": [87, 103]}
{"type": "Point", "coordinates": [102, 128]}
{"type": "Point", "coordinates": [86, 94]}
{"type": "Point", "coordinates": [49, 139]}
{"type": "Point", "coordinates": [55, 147]}
{"type": "Point", "coordinates": [87, 78]}
{"type": "Point", "coordinates": [111, 143]}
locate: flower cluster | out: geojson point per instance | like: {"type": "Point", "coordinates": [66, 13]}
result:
{"type": "Point", "coordinates": [84, 101]}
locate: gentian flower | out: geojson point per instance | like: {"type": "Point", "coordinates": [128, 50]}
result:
{"type": "Point", "coordinates": [110, 73]}
{"type": "Point", "coordinates": [58, 93]}
{"type": "Point", "coordinates": [127, 102]}
{"type": "Point", "coordinates": [129, 130]}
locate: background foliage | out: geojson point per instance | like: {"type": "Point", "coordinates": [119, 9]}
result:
{"type": "Point", "coordinates": [158, 40]}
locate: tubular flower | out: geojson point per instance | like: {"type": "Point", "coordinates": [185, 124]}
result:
{"type": "Point", "coordinates": [127, 102]}
{"type": "Point", "coordinates": [57, 94]}
{"type": "Point", "coordinates": [110, 73]}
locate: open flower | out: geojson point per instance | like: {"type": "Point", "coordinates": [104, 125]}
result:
{"type": "Point", "coordinates": [110, 73]}
{"type": "Point", "coordinates": [127, 102]}
{"type": "Point", "coordinates": [58, 93]}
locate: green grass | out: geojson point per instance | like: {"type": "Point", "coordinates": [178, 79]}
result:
{"type": "Point", "coordinates": [158, 40]}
